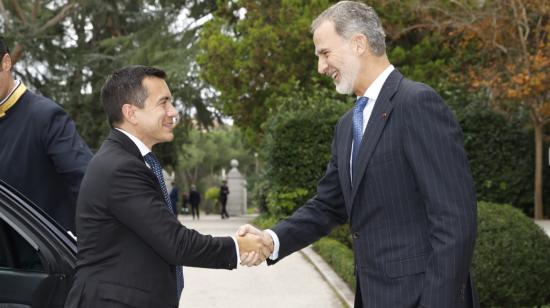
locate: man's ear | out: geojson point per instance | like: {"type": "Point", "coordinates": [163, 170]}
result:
{"type": "Point", "coordinates": [360, 42]}
{"type": "Point", "coordinates": [6, 62]}
{"type": "Point", "coordinates": [128, 113]}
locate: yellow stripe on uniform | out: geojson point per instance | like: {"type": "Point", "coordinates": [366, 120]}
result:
{"type": "Point", "coordinates": [12, 99]}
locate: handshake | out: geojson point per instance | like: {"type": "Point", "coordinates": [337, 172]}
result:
{"type": "Point", "coordinates": [255, 246]}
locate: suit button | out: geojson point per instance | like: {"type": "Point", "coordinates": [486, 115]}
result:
{"type": "Point", "coordinates": [355, 235]}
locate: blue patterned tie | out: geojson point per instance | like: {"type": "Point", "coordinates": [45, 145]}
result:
{"type": "Point", "coordinates": [154, 163]}
{"type": "Point", "coordinates": [358, 126]}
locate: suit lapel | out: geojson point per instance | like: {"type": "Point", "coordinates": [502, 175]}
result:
{"type": "Point", "coordinates": [131, 147]}
{"type": "Point", "coordinates": [377, 122]}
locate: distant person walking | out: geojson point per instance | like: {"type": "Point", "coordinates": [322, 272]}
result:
{"type": "Point", "coordinates": [224, 191]}
{"type": "Point", "coordinates": [195, 200]}
{"type": "Point", "coordinates": [184, 203]}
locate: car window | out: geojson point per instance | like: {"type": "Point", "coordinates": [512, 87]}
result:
{"type": "Point", "coordinates": [16, 252]}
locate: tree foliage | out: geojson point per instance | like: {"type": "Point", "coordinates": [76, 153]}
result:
{"type": "Point", "coordinates": [505, 49]}
{"type": "Point", "coordinates": [206, 153]}
{"type": "Point", "coordinates": [69, 50]}
{"type": "Point", "coordinates": [253, 51]}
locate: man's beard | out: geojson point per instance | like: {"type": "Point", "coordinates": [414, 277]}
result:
{"type": "Point", "coordinates": [348, 76]}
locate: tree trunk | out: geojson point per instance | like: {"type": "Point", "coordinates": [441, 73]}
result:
{"type": "Point", "coordinates": [538, 170]}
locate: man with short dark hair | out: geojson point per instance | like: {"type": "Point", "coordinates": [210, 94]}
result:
{"type": "Point", "coordinates": [130, 244]}
{"type": "Point", "coordinates": [42, 154]}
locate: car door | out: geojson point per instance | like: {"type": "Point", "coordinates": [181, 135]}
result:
{"type": "Point", "coordinates": [37, 257]}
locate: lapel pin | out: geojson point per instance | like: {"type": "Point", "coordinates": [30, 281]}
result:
{"type": "Point", "coordinates": [384, 115]}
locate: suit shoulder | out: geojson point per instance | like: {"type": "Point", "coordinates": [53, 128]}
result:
{"type": "Point", "coordinates": [413, 92]}
{"type": "Point", "coordinates": [41, 105]}
{"type": "Point", "coordinates": [112, 158]}
{"type": "Point", "coordinates": [45, 113]}
{"type": "Point", "coordinates": [411, 87]}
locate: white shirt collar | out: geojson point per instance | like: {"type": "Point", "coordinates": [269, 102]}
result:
{"type": "Point", "coordinates": [143, 149]}
{"type": "Point", "coordinates": [374, 89]}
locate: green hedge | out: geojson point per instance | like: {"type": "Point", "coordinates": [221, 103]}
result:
{"type": "Point", "coordinates": [511, 265]}
{"type": "Point", "coordinates": [211, 204]}
{"type": "Point", "coordinates": [297, 148]}
{"type": "Point", "coordinates": [340, 258]}
{"type": "Point", "coordinates": [341, 234]}
{"type": "Point", "coordinates": [265, 221]}
{"type": "Point", "coordinates": [501, 156]}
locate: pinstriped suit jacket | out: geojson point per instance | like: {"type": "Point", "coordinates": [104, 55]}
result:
{"type": "Point", "coordinates": [411, 204]}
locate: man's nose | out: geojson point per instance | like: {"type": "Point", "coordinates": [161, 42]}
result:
{"type": "Point", "coordinates": [171, 111]}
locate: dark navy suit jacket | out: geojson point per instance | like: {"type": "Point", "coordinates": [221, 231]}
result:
{"type": "Point", "coordinates": [411, 204]}
{"type": "Point", "coordinates": [43, 156]}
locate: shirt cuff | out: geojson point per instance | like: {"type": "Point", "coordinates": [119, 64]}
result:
{"type": "Point", "coordinates": [237, 248]}
{"type": "Point", "coordinates": [275, 254]}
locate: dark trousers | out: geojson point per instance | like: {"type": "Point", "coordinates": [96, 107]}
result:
{"type": "Point", "coordinates": [195, 209]}
{"type": "Point", "coordinates": [224, 208]}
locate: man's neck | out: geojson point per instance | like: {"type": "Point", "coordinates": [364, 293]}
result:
{"type": "Point", "coordinates": [129, 129]}
{"type": "Point", "coordinates": [11, 86]}
{"type": "Point", "coordinates": [370, 70]}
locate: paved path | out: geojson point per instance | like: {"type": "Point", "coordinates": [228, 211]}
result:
{"type": "Point", "coordinates": [293, 282]}
{"type": "Point", "coordinates": [544, 224]}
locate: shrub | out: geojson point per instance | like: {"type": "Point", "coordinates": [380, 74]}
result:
{"type": "Point", "coordinates": [501, 156]}
{"type": "Point", "coordinates": [265, 221]}
{"type": "Point", "coordinates": [340, 258]}
{"type": "Point", "coordinates": [282, 204]}
{"type": "Point", "coordinates": [211, 200]}
{"type": "Point", "coordinates": [297, 148]}
{"type": "Point", "coordinates": [511, 265]}
{"type": "Point", "coordinates": [342, 235]}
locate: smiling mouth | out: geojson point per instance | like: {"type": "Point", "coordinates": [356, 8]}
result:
{"type": "Point", "coordinates": [335, 77]}
{"type": "Point", "coordinates": [170, 125]}
{"type": "Point", "coordinates": [173, 122]}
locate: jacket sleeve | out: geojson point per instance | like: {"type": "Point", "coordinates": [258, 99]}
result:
{"type": "Point", "coordinates": [434, 150]}
{"type": "Point", "coordinates": [68, 152]}
{"type": "Point", "coordinates": [135, 201]}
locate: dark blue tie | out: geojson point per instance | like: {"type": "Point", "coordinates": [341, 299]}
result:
{"type": "Point", "coordinates": [154, 163]}
{"type": "Point", "coordinates": [358, 126]}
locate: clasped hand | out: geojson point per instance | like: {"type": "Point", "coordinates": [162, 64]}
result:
{"type": "Point", "coordinates": [255, 246]}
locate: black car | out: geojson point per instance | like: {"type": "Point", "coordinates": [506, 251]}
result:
{"type": "Point", "coordinates": [37, 257]}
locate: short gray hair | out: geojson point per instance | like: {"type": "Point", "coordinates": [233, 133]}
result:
{"type": "Point", "coordinates": [351, 17]}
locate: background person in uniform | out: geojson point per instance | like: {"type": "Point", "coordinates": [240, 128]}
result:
{"type": "Point", "coordinates": [224, 191]}
{"type": "Point", "coordinates": [130, 244]}
{"type": "Point", "coordinates": [42, 155]}
{"type": "Point", "coordinates": [195, 200]}
{"type": "Point", "coordinates": [398, 174]}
